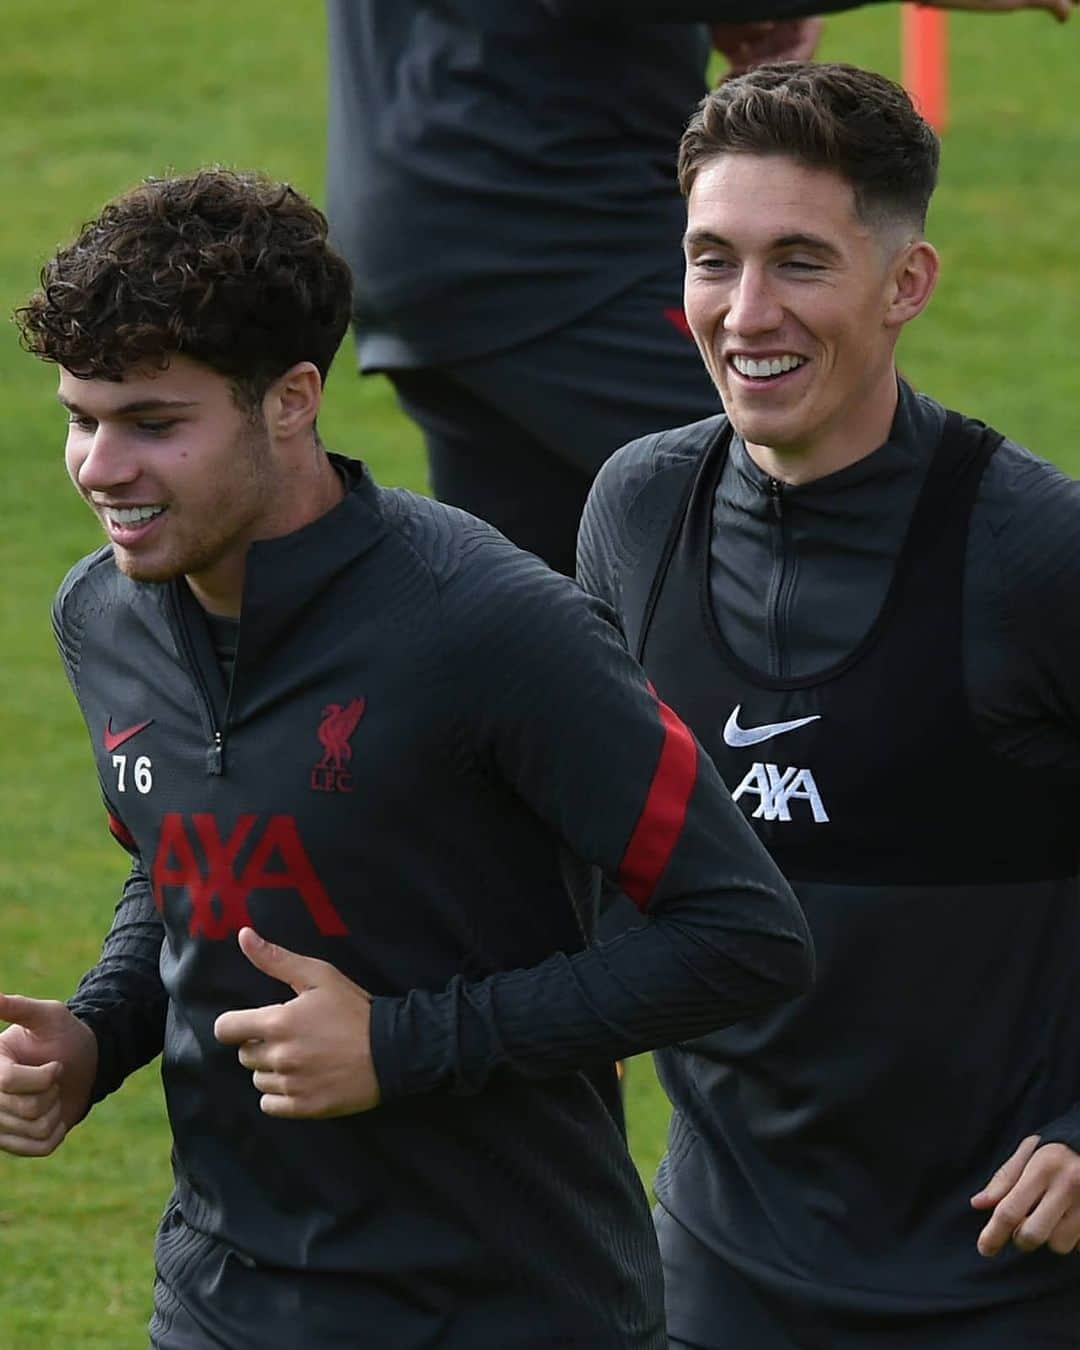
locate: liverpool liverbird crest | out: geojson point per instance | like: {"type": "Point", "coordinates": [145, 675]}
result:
{"type": "Point", "coordinates": [334, 732]}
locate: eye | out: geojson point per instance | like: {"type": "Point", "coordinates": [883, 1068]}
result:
{"type": "Point", "coordinates": [801, 265]}
{"type": "Point", "coordinates": [712, 264]}
{"type": "Point", "coordinates": [156, 427]}
{"type": "Point", "coordinates": [86, 424]}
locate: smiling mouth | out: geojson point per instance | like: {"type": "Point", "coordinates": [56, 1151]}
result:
{"type": "Point", "coordinates": [130, 517]}
{"type": "Point", "coordinates": [766, 369]}
{"type": "Point", "coordinates": [127, 524]}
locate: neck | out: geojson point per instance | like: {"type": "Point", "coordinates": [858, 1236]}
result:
{"type": "Point", "coordinates": [838, 446]}
{"type": "Point", "coordinates": [306, 494]}
{"type": "Point", "coordinates": [220, 591]}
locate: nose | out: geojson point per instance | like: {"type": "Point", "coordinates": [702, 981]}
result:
{"type": "Point", "coordinates": [754, 308]}
{"type": "Point", "coordinates": [101, 459]}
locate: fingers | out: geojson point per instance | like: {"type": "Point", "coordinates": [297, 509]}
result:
{"type": "Point", "coordinates": [1055, 1220]}
{"type": "Point", "coordinates": [24, 1145]}
{"type": "Point", "coordinates": [1042, 1220]}
{"type": "Point", "coordinates": [27, 1105]}
{"type": "Point", "coordinates": [23, 1079]}
{"type": "Point", "coordinates": [1060, 9]}
{"type": "Point", "coordinates": [26, 1125]}
{"type": "Point", "coordinates": [287, 1108]}
{"type": "Point", "coordinates": [282, 1091]}
{"type": "Point", "coordinates": [1066, 1236]}
{"type": "Point", "coordinates": [249, 1024]}
{"type": "Point", "coordinates": [1007, 1175]}
{"type": "Point", "coordinates": [299, 972]}
{"type": "Point", "coordinates": [1041, 1208]}
{"type": "Point", "coordinates": [31, 1120]}
{"type": "Point", "coordinates": [40, 1015]}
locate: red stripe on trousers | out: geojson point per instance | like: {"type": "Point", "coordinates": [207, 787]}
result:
{"type": "Point", "coordinates": [121, 831]}
{"type": "Point", "coordinates": [664, 813]}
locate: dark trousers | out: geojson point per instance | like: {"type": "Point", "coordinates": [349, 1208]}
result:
{"type": "Point", "coordinates": [516, 437]}
{"type": "Point", "coordinates": [712, 1306]}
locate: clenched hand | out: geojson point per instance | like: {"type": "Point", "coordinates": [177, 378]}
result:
{"type": "Point", "coordinates": [48, 1060]}
{"type": "Point", "coordinates": [310, 1058]}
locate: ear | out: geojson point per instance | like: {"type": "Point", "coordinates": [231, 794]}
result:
{"type": "Point", "coordinates": [292, 402]}
{"type": "Point", "coordinates": [913, 276]}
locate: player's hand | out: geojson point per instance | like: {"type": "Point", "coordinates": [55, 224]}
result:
{"type": "Point", "coordinates": [311, 1057]}
{"type": "Point", "coordinates": [1035, 1197]}
{"type": "Point", "coordinates": [746, 45]}
{"type": "Point", "coordinates": [1060, 9]}
{"type": "Point", "coordinates": [48, 1060]}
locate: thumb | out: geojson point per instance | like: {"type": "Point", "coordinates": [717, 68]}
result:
{"type": "Point", "coordinates": [36, 1015]}
{"type": "Point", "coordinates": [1007, 1175]}
{"type": "Point", "coordinates": [299, 972]}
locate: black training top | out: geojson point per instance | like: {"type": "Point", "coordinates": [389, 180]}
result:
{"type": "Point", "coordinates": [428, 741]}
{"type": "Point", "coordinates": [499, 167]}
{"type": "Point", "coordinates": [916, 776]}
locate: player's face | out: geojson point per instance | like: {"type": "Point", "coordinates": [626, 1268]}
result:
{"type": "Point", "coordinates": [180, 477]}
{"type": "Point", "coordinates": [789, 297]}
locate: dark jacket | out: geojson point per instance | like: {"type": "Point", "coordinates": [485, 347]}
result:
{"type": "Point", "coordinates": [428, 742]}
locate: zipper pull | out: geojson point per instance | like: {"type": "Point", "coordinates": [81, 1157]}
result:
{"type": "Point", "coordinates": [775, 487]}
{"type": "Point", "coordinates": [215, 756]}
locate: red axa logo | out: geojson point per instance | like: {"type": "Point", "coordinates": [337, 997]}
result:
{"type": "Point", "coordinates": [193, 855]}
{"type": "Point", "coordinates": [337, 726]}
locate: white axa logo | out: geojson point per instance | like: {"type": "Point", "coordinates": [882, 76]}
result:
{"type": "Point", "coordinates": [776, 787]}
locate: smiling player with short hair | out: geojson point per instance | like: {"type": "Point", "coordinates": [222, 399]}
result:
{"type": "Point", "coordinates": [867, 608]}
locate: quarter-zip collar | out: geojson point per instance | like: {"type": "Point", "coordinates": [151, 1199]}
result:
{"type": "Point", "coordinates": [280, 577]}
{"type": "Point", "coordinates": [854, 489]}
{"type": "Point", "coordinates": [283, 573]}
{"type": "Point", "coordinates": [799, 572]}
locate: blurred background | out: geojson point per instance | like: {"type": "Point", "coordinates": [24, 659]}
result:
{"type": "Point", "coordinates": [95, 98]}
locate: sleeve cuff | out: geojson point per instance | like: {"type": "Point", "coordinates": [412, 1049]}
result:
{"type": "Point", "coordinates": [1064, 1130]}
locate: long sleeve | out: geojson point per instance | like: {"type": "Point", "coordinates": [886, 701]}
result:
{"type": "Point", "coordinates": [122, 998]}
{"type": "Point", "coordinates": [1022, 633]}
{"type": "Point", "coordinates": [558, 710]}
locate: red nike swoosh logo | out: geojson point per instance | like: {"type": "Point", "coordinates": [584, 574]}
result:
{"type": "Point", "coordinates": [114, 738]}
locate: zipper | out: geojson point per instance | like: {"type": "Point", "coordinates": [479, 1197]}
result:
{"type": "Point", "coordinates": [215, 750]}
{"type": "Point", "coordinates": [774, 489]}
{"type": "Point", "coordinates": [781, 578]}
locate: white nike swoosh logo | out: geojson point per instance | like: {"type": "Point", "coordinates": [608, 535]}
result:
{"type": "Point", "coordinates": [735, 735]}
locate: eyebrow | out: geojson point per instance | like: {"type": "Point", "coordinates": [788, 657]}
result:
{"type": "Point", "coordinates": [139, 405]}
{"type": "Point", "coordinates": [694, 238]}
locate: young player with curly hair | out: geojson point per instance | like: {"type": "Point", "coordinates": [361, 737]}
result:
{"type": "Point", "coordinates": [366, 757]}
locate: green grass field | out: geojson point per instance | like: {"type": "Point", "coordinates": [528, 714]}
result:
{"type": "Point", "coordinates": [98, 96]}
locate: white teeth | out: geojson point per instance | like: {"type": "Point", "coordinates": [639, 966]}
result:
{"type": "Point", "coordinates": [760, 370]}
{"type": "Point", "coordinates": [133, 515]}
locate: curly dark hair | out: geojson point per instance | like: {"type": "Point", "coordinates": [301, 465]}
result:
{"type": "Point", "coordinates": [231, 269]}
{"type": "Point", "coordinates": [855, 122]}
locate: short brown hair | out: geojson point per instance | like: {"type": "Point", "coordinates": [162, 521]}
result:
{"type": "Point", "coordinates": [231, 269]}
{"type": "Point", "coordinates": [855, 122]}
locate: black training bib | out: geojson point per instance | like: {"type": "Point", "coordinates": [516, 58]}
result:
{"type": "Point", "coordinates": [871, 770]}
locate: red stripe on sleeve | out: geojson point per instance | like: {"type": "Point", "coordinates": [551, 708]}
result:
{"type": "Point", "coordinates": [121, 832]}
{"type": "Point", "coordinates": [664, 813]}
